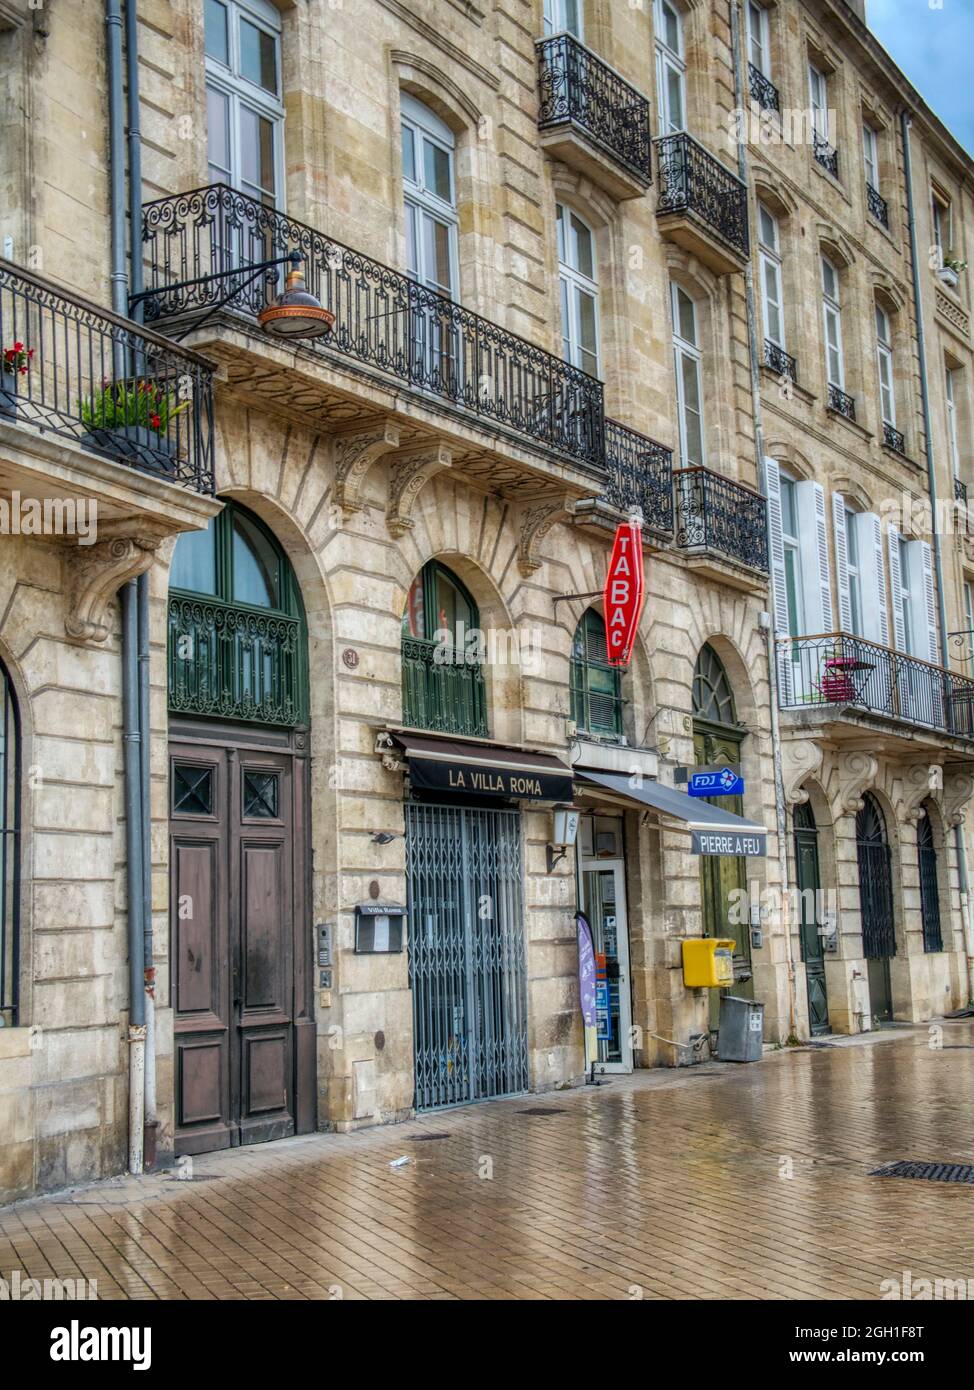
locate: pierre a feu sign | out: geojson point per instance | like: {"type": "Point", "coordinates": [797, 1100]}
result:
{"type": "Point", "coordinates": [624, 592]}
{"type": "Point", "coordinates": [734, 842]}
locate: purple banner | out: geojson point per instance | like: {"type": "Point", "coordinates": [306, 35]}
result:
{"type": "Point", "coordinates": [586, 969]}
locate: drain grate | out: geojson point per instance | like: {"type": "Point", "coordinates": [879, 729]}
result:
{"type": "Point", "coordinates": [542, 1110]}
{"type": "Point", "coordinates": [933, 1172]}
{"type": "Point", "coordinates": [426, 1138]}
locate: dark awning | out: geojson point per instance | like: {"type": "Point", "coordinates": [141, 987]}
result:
{"type": "Point", "coordinates": [710, 823]}
{"type": "Point", "coordinates": [483, 769]}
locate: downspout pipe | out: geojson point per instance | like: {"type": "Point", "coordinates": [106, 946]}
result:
{"type": "Point", "coordinates": [781, 822]}
{"type": "Point", "coordinates": [131, 741]}
{"type": "Point", "coordinates": [136, 278]}
{"type": "Point", "coordinates": [961, 846]}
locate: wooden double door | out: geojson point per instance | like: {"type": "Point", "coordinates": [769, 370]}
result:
{"type": "Point", "coordinates": [244, 1050]}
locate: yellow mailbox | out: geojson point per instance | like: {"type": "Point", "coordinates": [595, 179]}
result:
{"type": "Point", "coordinates": [708, 962]}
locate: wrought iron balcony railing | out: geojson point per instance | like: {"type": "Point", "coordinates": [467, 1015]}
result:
{"type": "Point", "coordinates": [692, 180]}
{"type": "Point", "coordinates": [103, 381]}
{"type": "Point", "coordinates": [960, 500]}
{"type": "Point", "coordinates": [763, 90]}
{"type": "Point", "coordinates": [717, 514]}
{"type": "Point", "coordinates": [234, 662]}
{"type": "Point", "coordinates": [443, 688]}
{"type": "Point", "coordinates": [893, 439]}
{"type": "Point", "coordinates": [779, 361]}
{"type": "Point", "coordinates": [577, 87]}
{"type": "Point", "coordinates": [840, 403]}
{"type": "Point", "coordinates": [640, 475]}
{"type": "Point", "coordinates": [383, 319]}
{"type": "Point", "coordinates": [878, 205]}
{"type": "Point", "coordinates": [840, 669]}
{"type": "Point", "coordinates": [826, 155]}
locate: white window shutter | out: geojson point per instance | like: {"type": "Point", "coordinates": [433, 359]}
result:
{"type": "Point", "coordinates": [872, 571]}
{"type": "Point", "coordinates": [779, 584]}
{"type": "Point", "coordinates": [896, 588]}
{"type": "Point", "coordinates": [816, 577]}
{"type": "Point", "coordinates": [841, 562]}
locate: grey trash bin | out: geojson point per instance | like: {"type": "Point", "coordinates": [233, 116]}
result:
{"type": "Point", "coordinates": [740, 1029]}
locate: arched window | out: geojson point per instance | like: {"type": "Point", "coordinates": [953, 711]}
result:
{"type": "Point", "coordinates": [237, 637]}
{"type": "Point", "coordinates": [10, 850]}
{"type": "Point", "coordinates": [578, 276]}
{"type": "Point", "coordinates": [595, 685]}
{"type": "Point", "coordinates": [442, 649]}
{"type": "Point", "coordinates": [713, 699]}
{"type": "Point", "coordinates": [929, 890]}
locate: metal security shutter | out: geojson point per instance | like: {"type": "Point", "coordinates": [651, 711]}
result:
{"type": "Point", "coordinates": [466, 953]}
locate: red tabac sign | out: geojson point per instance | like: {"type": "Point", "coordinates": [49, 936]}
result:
{"type": "Point", "coordinates": [624, 592]}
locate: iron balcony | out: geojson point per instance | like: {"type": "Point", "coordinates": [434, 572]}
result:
{"type": "Point", "coordinates": [385, 322]}
{"type": "Point", "coordinates": [840, 403]}
{"type": "Point", "coordinates": [839, 669]}
{"type": "Point", "coordinates": [719, 516]}
{"type": "Point", "coordinates": [780, 362]}
{"type": "Point", "coordinates": [763, 90]}
{"type": "Point", "coordinates": [90, 376]}
{"type": "Point", "coordinates": [640, 476]}
{"type": "Point", "coordinates": [701, 204]}
{"type": "Point", "coordinates": [580, 95]}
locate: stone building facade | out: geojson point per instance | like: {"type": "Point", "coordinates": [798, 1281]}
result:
{"type": "Point", "coordinates": [541, 325]}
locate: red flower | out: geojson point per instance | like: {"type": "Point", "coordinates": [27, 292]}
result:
{"type": "Point", "coordinates": [155, 421]}
{"type": "Point", "coordinates": [18, 347]}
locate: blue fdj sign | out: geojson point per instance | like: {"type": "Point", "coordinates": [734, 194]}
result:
{"type": "Point", "coordinates": [723, 781]}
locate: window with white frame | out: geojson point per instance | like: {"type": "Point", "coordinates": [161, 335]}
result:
{"type": "Point", "coordinates": [854, 570]}
{"type": "Point", "coordinates": [429, 197]}
{"type": "Point", "coordinates": [969, 623]}
{"type": "Point", "coordinates": [792, 556]}
{"type": "Point", "coordinates": [884, 353]}
{"type": "Point", "coordinates": [769, 246]}
{"type": "Point", "coordinates": [758, 38]}
{"type": "Point", "coordinates": [870, 155]}
{"type": "Point", "coordinates": [563, 17]}
{"type": "Point", "coordinates": [906, 599]}
{"type": "Point", "coordinates": [832, 315]}
{"type": "Point", "coordinates": [687, 360]}
{"type": "Point", "coordinates": [671, 68]}
{"type": "Point", "coordinates": [942, 220]}
{"type": "Point", "coordinates": [950, 387]}
{"type": "Point", "coordinates": [578, 283]}
{"type": "Point", "coordinates": [818, 95]}
{"type": "Point", "coordinates": [244, 111]}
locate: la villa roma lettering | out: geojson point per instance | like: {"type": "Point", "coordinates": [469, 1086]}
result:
{"type": "Point", "coordinates": [472, 780]}
{"type": "Point", "coordinates": [624, 592]}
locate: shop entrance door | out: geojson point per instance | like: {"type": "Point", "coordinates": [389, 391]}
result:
{"type": "Point", "coordinates": [602, 897]}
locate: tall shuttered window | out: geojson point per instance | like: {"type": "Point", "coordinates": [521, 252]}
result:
{"type": "Point", "coordinates": [595, 685]}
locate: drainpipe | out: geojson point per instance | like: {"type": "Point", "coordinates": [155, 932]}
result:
{"type": "Point", "coordinates": [130, 677]}
{"type": "Point", "coordinates": [962, 874]}
{"type": "Point", "coordinates": [136, 285]}
{"type": "Point", "coordinates": [781, 824]}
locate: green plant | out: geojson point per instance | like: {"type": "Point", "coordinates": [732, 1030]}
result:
{"type": "Point", "coordinates": [955, 264]}
{"type": "Point", "coordinates": [135, 401]}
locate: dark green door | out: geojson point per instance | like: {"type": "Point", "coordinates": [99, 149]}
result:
{"type": "Point", "coordinates": [809, 890]}
{"type": "Point", "coordinates": [876, 905]}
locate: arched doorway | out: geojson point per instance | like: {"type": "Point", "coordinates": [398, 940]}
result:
{"type": "Point", "coordinates": [876, 905]}
{"type": "Point", "coordinates": [244, 1049]}
{"type": "Point", "coordinates": [10, 851]}
{"type": "Point", "coordinates": [809, 889]}
{"type": "Point", "coordinates": [717, 739]}
{"type": "Point", "coordinates": [929, 888]}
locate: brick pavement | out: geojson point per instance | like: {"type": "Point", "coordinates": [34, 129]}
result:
{"type": "Point", "coordinates": [715, 1182]}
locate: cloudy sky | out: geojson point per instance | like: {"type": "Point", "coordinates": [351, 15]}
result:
{"type": "Point", "coordinates": [933, 42]}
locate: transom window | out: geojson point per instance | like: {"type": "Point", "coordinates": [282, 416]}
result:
{"type": "Point", "coordinates": [671, 68]}
{"type": "Point", "coordinates": [245, 113]}
{"type": "Point", "coordinates": [596, 687]}
{"type": "Point", "coordinates": [10, 851]}
{"type": "Point", "coordinates": [713, 698]}
{"type": "Point", "coordinates": [237, 637]}
{"type": "Point", "coordinates": [832, 311]}
{"type": "Point", "coordinates": [579, 291]}
{"type": "Point", "coordinates": [687, 359]}
{"type": "Point", "coordinates": [769, 242]}
{"type": "Point", "coordinates": [884, 352]}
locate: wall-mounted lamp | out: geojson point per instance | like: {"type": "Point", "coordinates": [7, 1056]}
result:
{"type": "Point", "coordinates": [565, 833]}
